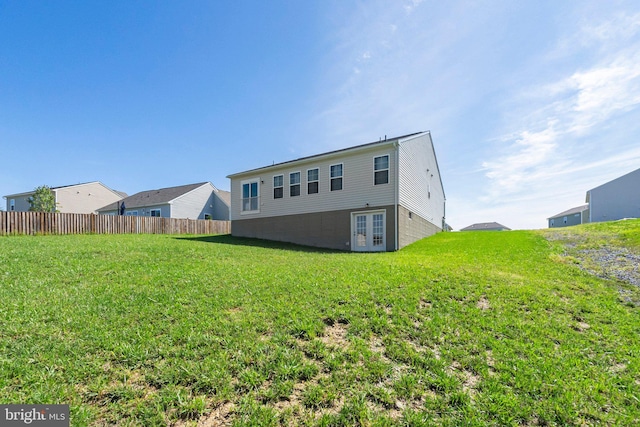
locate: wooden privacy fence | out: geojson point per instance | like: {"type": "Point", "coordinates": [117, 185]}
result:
{"type": "Point", "coordinates": [67, 223]}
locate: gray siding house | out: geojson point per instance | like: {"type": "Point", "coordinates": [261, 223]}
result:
{"type": "Point", "coordinates": [194, 201]}
{"type": "Point", "coordinates": [82, 198]}
{"type": "Point", "coordinates": [573, 216]}
{"type": "Point", "coordinates": [615, 199]}
{"type": "Point", "coordinates": [379, 196]}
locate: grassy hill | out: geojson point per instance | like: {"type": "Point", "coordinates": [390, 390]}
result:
{"type": "Point", "coordinates": [478, 328]}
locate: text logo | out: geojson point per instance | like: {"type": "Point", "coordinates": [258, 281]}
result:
{"type": "Point", "coordinates": [34, 415]}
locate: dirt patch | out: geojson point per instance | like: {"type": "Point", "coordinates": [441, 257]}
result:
{"type": "Point", "coordinates": [335, 335]}
{"type": "Point", "coordinates": [618, 367]}
{"type": "Point", "coordinates": [483, 303]}
{"type": "Point", "coordinates": [220, 416]}
{"type": "Point", "coordinates": [581, 326]}
{"type": "Point", "coordinates": [491, 363]}
{"type": "Point", "coordinates": [469, 379]}
{"type": "Point", "coordinates": [424, 304]}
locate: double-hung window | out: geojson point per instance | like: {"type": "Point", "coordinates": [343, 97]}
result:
{"type": "Point", "coordinates": [294, 184]}
{"type": "Point", "coordinates": [278, 186]}
{"type": "Point", "coordinates": [312, 181]}
{"type": "Point", "coordinates": [336, 177]}
{"type": "Point", "coordinates": [250, 196]}
{"type": "Point", "coordinates": [381, 170]}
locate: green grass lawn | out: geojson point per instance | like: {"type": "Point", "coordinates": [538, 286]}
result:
{"type": "Point", "coordinates": [477, 328]}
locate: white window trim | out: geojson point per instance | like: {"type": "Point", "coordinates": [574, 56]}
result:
{"type": "Point", "coordinates": [12, 204]}
{"type": "Point", "coordinates": [250, 181]}
{"type": "Point", "coordinates": [333, 177]}
{"type": "Point", "coordinates": [315, 180]}
{"type": "Point", "coordinates": [151, 211]}
{"type": "Point", "coordinates": [388, 169]}
{"type": "Point", "coordinates": [277, 186]}
{"type": "Point", "coordinates": [130, 213]}
{"type": "Point", "coordinates": [299, 184]}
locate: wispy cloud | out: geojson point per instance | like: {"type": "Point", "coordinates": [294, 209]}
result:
{"type": "Point", "coordinates": [558, 118]}
{"type": "Point", "coordinates": [519, 115]}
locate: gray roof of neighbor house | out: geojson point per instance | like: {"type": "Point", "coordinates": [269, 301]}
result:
{"type": "Point", "coordinates": [485, 226]}
{"type": "Point", "coordinates": [153, 197]}
{"type": "Point", "coordinates": [571, 211]}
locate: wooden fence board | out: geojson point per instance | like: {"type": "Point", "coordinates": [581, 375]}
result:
{"type": "Point", "coordinates": [31, 223]}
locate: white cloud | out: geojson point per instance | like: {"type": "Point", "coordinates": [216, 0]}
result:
{"type": "Point", "coordinates": [557, 119]}
{"type": "Point", "coordinates": [411, 5]}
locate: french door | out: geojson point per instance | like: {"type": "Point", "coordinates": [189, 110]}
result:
{"type": "Point", "coordinates": [368, 230]}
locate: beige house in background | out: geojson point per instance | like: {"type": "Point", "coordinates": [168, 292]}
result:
{"type": "Point", "coordinates": [79, 198]}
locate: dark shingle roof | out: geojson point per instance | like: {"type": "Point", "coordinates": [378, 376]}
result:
{"type": "Point", "coordinates": [485, 226]}
{"type": "Point", "coordinates": [153, 197]}
{"type": "Point", "coordinates": [382, 141]}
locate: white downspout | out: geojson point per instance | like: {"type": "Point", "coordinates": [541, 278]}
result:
{"type": "Point", "coordinates": [396, 190]}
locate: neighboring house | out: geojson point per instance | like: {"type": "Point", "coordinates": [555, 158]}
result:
{"type": "Point", "coordinates": [195, 201]}
{"type": "Point", "coordinates": [574, 216]}
{"type": "Point", "coordinates": [79, 198]}
{"type": "Point", "coordinates": [379, 196]}
{"type": "Point", "coordinates": [486, 226]}
{"type": "Point", "coordinates": [615, 199]}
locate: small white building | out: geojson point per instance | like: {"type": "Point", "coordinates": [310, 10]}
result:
{"type": "Point", "coordinates": [615, 199]}
{"type": "Point", "coordinates": [379, 196]}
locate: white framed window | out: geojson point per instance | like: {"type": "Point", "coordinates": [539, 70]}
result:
{"type": "Point", "coordinates": [312, 180]}
{"type": "Point", "coordinates": [131, 213]}
{"type": "Point", "coordinates": [564, 219]}
{"type": "Point", "coordinates": [12, 204]}
{"type": "Point", "coordinates": [155, 212]}
{"type": "Point", "coordinates": [278, 186]}
{"type": "Point", "coordinates": [381, 170]}
{"type": "Point", "coordinates": [336, 177]}
{"type": "Point", "coordinates": [250, 196]}
{"type": "Point", "coordinates": [294, 184]}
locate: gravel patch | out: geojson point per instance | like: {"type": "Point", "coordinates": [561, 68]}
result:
{"type": "Point", "coordinates": [606, 262]}
{"type": "Point", "coordinates": [611, 263]}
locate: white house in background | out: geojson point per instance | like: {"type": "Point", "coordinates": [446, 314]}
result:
{"type": "Point", "coordinates": [573, 216]}
{"type": "Point", "coordinates": [195, 201]}
{"type": "Point", "coordinates": [78, 198]}
{"type": "Point", "coordinates": [379, 196]}
{"type": "Point", "coordinates": [615, 199]}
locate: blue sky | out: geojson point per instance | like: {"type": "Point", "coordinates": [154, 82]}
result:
{"type": "Point", "coordinates": [529, 103]}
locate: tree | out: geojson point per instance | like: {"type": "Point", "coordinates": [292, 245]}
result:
{"type": "Point", "coordinates": [43, 200]}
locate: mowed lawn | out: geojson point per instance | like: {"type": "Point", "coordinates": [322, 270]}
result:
{"type": "Point", "coordinates": [479, 328]}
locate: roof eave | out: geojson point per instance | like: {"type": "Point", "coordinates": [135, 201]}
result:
{"type": "Point", "coordinates": [329, 154]}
